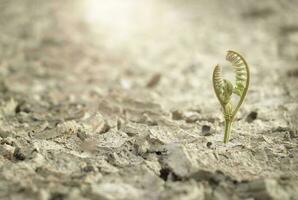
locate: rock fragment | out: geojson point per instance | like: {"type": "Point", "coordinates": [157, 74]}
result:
{"type": "Point", "coordinates": [155, 79]}
{"type": "Point", "coordinates": [252, 116]}
{"type": "Point", "coordinates": [82, 134]}
{"type": "Point", "coordinates": [177, 115]}
{"type": "Point", "coordinates": [18, 154]}
{"type": "Point", "coordinates": [191, 117]}
{"type": "Point", "coordinates": [177, 160]}
{"type": "Point", "coordinates": [265, 189]}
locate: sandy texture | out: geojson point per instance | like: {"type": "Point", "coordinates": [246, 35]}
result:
{"type": "Point", "coordinates": [114, 100]}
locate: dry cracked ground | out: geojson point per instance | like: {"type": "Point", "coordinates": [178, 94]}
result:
{"type": "Point", "coordinates": [114, 100]}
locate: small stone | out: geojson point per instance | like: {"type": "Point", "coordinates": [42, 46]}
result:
{"type": "Point", "coordinates": [191, 117]}
{"type": "Point", "coordinates": [88, 168]}
{"type": "Point", "coordinates": [209, 144]}
{"type": "Point", "coordinates": [82, 135]}
{"type": "Point", "coordinates": [103, 128]}
{"type": "Point", "coordinates": [119, 123]}
{"type": "Point", "coordinates": [23, 107]}
{"type": "Point", "coordinates": [206, 130]}
{"type": "Point", "coordinates": [177, 115]}
{"type": "Point", "coordinates": [155, 79]}
{"type": "Point", "coordinates": [251, 116]}
{"type": "Point", "coordinates": [177, 160]}
{"type": "Point", "coordinates": [142, 146]}
{"type": "Point", "coordinates": [18, 154]}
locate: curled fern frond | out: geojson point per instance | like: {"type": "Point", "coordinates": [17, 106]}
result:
{"type": "Point", "coordinates": [241, 71]}
{"type": "Point", "coordinates": [217, 77]}
{"type": "Point", "coordinates": [227, 91]}
{"type": "Point", "coordinates": [224, 88]}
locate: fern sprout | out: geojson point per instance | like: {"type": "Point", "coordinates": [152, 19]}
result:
{"type": "Point", "coordinates": [224, 89]}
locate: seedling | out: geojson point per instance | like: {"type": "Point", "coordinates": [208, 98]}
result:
{"type": "Point", "coordinates": [224, 89]}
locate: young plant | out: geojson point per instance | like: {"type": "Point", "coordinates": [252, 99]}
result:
{"type": "Point", "coordinates": [224, 89]}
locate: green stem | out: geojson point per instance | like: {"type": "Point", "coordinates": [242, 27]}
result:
{"type": "Point", "coordinates": [228, 124]}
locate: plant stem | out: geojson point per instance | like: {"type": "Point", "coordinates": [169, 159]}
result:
{"type": "Point", "coordinates": [228, 124]}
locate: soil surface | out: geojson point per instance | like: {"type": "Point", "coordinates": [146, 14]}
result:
{"type": "Point", "coordinates": [114, 100]}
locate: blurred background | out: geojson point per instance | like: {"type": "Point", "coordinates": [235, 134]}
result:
{"type": "Point", "coordinates": [100, 45]}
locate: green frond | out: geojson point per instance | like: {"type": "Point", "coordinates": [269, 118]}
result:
{"type": "Point", "coordinates": [217, 79]}
{"type": "Point", "coordinates": [224, 89]}
{"type": "Point", "coordinates": [241, 71]}
{"type": "Point", "coordinates": [227, 91]}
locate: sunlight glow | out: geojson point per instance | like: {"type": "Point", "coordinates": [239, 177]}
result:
{"type": "Point", "coordinates": [119, 18]}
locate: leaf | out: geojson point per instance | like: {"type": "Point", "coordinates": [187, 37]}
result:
{"type": "Point", "coordinates": [217, 79]}
{"type": "Point", "coordinates": [227, 91]}
{"type": "Point", "coordinates": [241, 71]}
